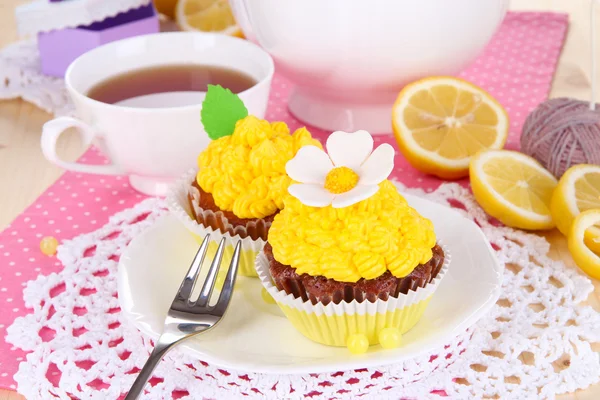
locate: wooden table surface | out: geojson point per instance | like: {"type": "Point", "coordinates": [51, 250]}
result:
{"type": "Point", "coordinates": [25, 174]}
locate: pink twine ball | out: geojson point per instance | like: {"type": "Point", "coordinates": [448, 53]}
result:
{"type": "Point", "coordinates": [562, 132]}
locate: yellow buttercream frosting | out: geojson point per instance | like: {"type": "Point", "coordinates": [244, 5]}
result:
{"type": "Point", "coordinates": [360, 241]}
{"type": "Point", "coordinates": [245, 172]}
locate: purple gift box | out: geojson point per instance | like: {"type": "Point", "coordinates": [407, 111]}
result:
{"type": "Point", "coordinates": [60, 47]}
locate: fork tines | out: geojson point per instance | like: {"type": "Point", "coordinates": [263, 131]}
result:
{"type": "Point", "coordinates": [187, 286]}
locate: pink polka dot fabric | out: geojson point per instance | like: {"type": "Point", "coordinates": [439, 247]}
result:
{"type": "Point", "coordinates": [517, 68]}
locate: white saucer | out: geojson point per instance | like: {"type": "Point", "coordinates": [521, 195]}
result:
{"type": "Point", "coordinates": [255, 336]}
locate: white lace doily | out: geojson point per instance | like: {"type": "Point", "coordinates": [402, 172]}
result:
{"type": "Point", "coordinates": [43, 15]}
{"type": "Point", "coordinates": [20, 76]}
{"type": "Point", "coordinates": [535, 343]}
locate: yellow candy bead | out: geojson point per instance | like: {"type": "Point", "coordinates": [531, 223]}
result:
{"type": "Point", "coordinates": [390, 338]}
{"type": "Point", "coordinates": [266, 296]}
{"type": "Point", "coordinates": [48, 245]}
{"type": "Point", "coordinates": [357, 343]}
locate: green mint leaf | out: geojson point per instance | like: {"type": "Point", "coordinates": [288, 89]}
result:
{"type": "Point", "coordinates": [221, 109]}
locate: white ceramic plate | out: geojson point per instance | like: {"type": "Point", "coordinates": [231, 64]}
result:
{"type": "Point", "coordinates": [255, 336]}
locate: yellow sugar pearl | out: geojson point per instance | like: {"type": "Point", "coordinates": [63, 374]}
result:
{"type": "Point", "coordinates": [390, 338]}
{"type": "Point", "coordinates": [48, 245]}
{"type": "Point", "coordinates": [340, 180]}
{"type": "Point", "coordinates": [266, 296]}
{"type": "Point", "coordinates": [357, 343]}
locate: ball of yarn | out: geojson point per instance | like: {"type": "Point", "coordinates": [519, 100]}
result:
{"type": "Point", "coordinates": [562, 132]}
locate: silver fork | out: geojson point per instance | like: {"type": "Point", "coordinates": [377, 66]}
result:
{"type": "Point", "coordinates": [188, 317]}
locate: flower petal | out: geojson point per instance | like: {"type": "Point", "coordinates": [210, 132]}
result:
{"type": "Point", "coordinates": [349, 149]}
{"type": "Point", "coordinates": [378, 166]}
{"type": "Point", "coordinates": [359, 193]}
{"type": "Point", "coordinates": [310, 165]}
{"type": "Point", "coordinates": [311, 195]}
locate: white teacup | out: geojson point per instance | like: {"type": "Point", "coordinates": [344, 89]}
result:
{"type": "Point", "coordinates": [153, 140]}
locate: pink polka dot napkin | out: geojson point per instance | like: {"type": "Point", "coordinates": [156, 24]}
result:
{"type": "Point", "coordinates": [516, 67]}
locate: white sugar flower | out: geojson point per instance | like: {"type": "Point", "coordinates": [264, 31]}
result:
{"type": "Point", "coordinates": [350, 173]}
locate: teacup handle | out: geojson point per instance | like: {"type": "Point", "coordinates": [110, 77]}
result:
{"type": "Point", "coordinates": [52, 131]}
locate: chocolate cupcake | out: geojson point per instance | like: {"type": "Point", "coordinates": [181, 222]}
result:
{"type": "Point", "coordinates": [223, 220]}
{"type": "Point", "coordinates": [348, 261]}
{"type": "Point", "coordinates": [319, 289]}
{"type": "Point", "coordinates": [241, 179]}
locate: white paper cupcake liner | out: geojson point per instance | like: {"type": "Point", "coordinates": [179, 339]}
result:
{"type": "Point", "coordinates": [332, 323]}
{"type": "Point", "coordinates": [178, 204]}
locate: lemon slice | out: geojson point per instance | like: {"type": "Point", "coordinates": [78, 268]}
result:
{"type": "Point", "coordinates": [514, 188]}
{"type": "Point", "coordinates": [578, 190]}
{"type": "Point", "coordinates": [441, 122]}
{"type": "Point", "coordinates": [585, 258]}
{"type": "Point", "coordinates": [166, 7]}
{"type": "Point", "coordinates": [206, 16]}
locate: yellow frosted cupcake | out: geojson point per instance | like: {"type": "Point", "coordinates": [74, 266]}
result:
{"type": "Point", "coordinates": [348, 261]}
{"type": "Point", "coordinates": [240, 182]}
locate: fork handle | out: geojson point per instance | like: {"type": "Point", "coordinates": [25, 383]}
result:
{"type": "Point", "coordinates": [157, 354]}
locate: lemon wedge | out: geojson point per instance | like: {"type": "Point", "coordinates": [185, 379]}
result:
{"type": "Point", "coordinates": [441, 122]}
{"type": "Point", "coordinates": [578, 190]}
{"type": "Point", "coordinates": [514, 188]}
{"type": "Point", "coordinates": [206, 16]}
{"type": "Point", "coordinates": [585, 258]}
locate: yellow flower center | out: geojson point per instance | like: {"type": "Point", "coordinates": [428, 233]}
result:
{"type": "Point", "coordinates": [341, 180]}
